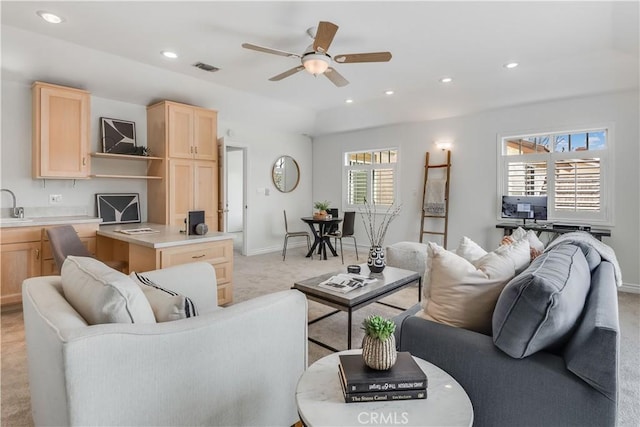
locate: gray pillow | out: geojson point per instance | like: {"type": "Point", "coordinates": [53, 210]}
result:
{"type": "Point", "coordinates": [539, 308]}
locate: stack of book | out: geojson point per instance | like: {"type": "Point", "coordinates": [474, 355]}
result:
{"type": "Point", "coordinates": [405, 380]}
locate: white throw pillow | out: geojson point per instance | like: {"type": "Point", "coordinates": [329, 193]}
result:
{"type": "Point", "coordinates": [470, 250]}
{"type": "Point", "coordinates": [518, 252]}
{"type": "Point", "coordinates": [534, 241]}
{"type": "Point", "coordinates": [103, 295]}
{"type": "Point", "coordinates": [518, 234]}
{"type": "Point", "coordinates": [463, 294]}
{"type": "Point", "coordinates": [167, 305]}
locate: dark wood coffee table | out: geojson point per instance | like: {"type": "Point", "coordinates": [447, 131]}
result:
{"type": "Point", "coordinates": [389, 281]}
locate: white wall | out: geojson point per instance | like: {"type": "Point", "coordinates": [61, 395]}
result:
{"type": "Point", "coordinates": [474, 163]}
{"type": "Point", "coordinates": [15, 156]}
{"type": "Point", "coordinates": [265, 221]}
{"type": "Point", "coordinates": [268, 129]}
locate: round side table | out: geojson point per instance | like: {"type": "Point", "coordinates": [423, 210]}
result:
{"type": "Point", "coordinates": [320, 401]}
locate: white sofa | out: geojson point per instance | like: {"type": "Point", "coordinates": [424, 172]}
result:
{"type": "Point", "coordinates": [228, 366]}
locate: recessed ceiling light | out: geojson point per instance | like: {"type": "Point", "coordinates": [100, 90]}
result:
{"type": "Point", "coordinates": [446, 80]}
{"type": "Point", "coordinates": [169, 54]}
{"type": "Point", "coordinates": [349, 101]}
{"type": "Point", "coordinates": [388, 92]}
{"type": "Point", "coordinates": [49, 17]}
{"type": "Point", "coordinates": [511, 65]}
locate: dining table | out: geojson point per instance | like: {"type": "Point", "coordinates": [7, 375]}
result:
{"type": "Point", "coordinates": [321, 240]}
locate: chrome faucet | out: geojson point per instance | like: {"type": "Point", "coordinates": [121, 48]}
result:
{"type": "Point", "coordinates": [16, 212]}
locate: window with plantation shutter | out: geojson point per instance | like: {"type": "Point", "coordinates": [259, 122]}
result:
{"type": "Point", "coordinates": [577, 185]}
{"type": "Point", "coordinates": [370, 175]}
{"type": "Point", "coordinates": [567, 167]}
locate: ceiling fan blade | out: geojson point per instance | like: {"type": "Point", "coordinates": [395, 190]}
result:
{"type": "Point", "coordinates": [269, 50]}
{"type": "Point", "coordinates": [324, 36]}
{"type": "Point", "coordinates": [335, 77]}
{"type": "Point", "coordinates": [287, 73]}
{"type": "Point", "coordinates": [363, 57]}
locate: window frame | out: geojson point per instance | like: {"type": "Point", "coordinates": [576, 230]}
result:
{"type": "Point", "coordinates": [370, 167]}
{"type": "Point", "coordinates": [607, 169]}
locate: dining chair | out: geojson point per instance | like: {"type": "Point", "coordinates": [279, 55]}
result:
{"type": "Point", "coordinates": [288, 234]}
{"type": "Point", "coordinates": [348, 225]}
{"type": "Point", "coordinates": [64, 241]}
{"type": "Point", "coordinates": [334, 214]}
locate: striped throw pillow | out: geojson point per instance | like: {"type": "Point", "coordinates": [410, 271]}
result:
{"type": "Point", "coordinates": [166, 304]}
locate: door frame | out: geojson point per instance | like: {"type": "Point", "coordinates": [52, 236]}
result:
{"type": "Point", "coordinates": [226, 143]}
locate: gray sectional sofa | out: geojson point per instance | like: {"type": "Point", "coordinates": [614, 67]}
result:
{"type": "Point", "coordinates": [553, 356]}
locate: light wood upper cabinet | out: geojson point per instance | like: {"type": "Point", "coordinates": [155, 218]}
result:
{"type": "Point", "coordinates": [205, 134]}
{"type": "Point", "coordinates": [192, 132]}
{"type": "Point", "coordinates": [180, 131]}
{"type": "Point", "coordinates": [61, 126]}
{"type": "Point", "coordinates": [186, 137]}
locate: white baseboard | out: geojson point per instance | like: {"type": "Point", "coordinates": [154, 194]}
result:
{"type": "Point", "coordinates": [632, 288]}
{"type": "Point", "coordinates": [269, 249]}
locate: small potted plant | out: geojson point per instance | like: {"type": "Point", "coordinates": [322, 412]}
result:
{"type": "Point", "coordinates": [321, 207]}
{"type": "Point", "coordinates": [379, 343]}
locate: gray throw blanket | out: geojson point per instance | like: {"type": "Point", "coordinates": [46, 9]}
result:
{"type": "Point", "coordinates": [604, 250]}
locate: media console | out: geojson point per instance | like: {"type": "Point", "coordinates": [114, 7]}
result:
{"type": "Point", "coordinates": [554, 229]}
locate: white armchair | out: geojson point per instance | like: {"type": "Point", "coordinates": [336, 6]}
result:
{"type": "Point", "coordinates": [229, 366]}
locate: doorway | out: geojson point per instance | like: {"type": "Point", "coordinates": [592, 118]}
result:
{"type": "Point", "coordinates": [233, 199]}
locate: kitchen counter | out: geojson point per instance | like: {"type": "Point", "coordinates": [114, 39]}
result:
{"type": "Point", "coordinates": [49, 220]}
{"type": "Point", "coordinates": [167, 247]}
{"type": "Point", "coordinates": [165, 236]}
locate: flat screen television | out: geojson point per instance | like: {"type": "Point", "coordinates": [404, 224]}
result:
{"type": "Point", "coordinates": [525, 207]}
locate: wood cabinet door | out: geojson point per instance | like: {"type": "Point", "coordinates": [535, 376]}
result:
{"type": "Point", "coordinates": [205, 134]}
{"type": "Point", "coordinates": [206, 191]}
{"type": "Point", "coordinates": [19, 261]}
{"type": "Point", "coordinates": [61, 132]}
{"type": "Point", "coordinates": [180, 131]}
{"type": "Point", "coordinates": [181, 189]}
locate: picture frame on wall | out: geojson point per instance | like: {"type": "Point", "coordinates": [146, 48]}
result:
{"type": "Point", "coordinates": [118, 208]}
{"type": "Point", "coordinates": [118, 136]}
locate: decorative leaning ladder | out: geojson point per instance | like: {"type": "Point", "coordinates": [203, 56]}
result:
{"type": "Point", "coordinates": [425, 214]}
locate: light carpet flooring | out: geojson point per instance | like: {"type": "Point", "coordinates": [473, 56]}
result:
{"type": "Point", "coordinates": [263, 274]}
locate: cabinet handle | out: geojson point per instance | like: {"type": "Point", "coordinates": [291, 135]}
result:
{"type": "Point", "coordinates": [198, 256]}
{"type": "Point", "coordinates": [37, 253]}
{"type": "Point", "coordinates": [196, 148]}
{"type": "Point", "coordinates": [84, 161]}
{"type": "Point", "coordinates": [191, 150]}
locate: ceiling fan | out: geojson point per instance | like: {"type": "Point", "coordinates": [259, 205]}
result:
{"type": "Point", "coordinates": [316, 59]}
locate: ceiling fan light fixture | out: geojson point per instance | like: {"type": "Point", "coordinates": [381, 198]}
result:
{"type": "Point", "coordinates": [316, 63]}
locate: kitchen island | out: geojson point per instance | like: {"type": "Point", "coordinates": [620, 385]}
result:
{"type": "Point", "coordinates": [166, 246]}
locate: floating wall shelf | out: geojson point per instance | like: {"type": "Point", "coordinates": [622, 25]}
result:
{"type": "Point", "coordinates": [111, 156]}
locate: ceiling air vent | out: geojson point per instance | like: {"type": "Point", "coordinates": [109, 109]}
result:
{"type": "Point", "coordinates": [206, 67]}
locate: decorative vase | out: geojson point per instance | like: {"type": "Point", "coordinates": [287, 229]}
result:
{"type": "Point", "coordinates": [376, 261]}
{"type": "Point", "coordinates": [379, 355]}
{"type": "Point", "coordinates": [320, 215]}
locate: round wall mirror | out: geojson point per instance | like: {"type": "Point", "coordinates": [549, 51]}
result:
{"type": "Point", "coordinates": [285, 174]}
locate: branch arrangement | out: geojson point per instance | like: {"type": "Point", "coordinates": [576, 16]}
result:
{"type": "Point", "coordinates": [376, 233]}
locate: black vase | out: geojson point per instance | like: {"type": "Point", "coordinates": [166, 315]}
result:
{"type": "Point", "coordinates": [376, 261]}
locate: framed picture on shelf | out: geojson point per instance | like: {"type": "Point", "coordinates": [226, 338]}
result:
{"type": "Point", "coordinates": [118, 208]}
{"type": "Point", "coordinates": [118, 136]}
